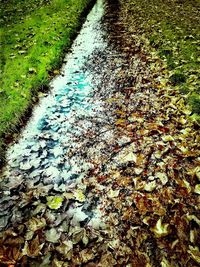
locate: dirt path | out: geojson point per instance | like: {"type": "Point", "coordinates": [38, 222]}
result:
{"type": "Point", "coordinates": [113, 182]}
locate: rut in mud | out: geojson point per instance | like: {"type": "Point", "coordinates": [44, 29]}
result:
{"type": "Point", "coordinates": [106, 172]}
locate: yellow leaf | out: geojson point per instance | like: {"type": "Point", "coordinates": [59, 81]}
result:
{"type": "Point", "coordinates": [110, 100]}
{"type": "Point", "coordinates": [197, 189]}
{"type": "Point", "coordinates": [195, 254]}
{"type": "Point", "coordinates": [162, 176]}
{"type": "Point", "coordinates": [113, 193]}
{"type": "Point", "coordinates": [150, 186]}
{"type": "Point", "coordinates": [35, 224]}
{"type": "Point", "coordinates": [54, 202]}
{"type": "Point", "coordinates": [160, 229]}
{"type": "Point", "coordinates": [120, 122]}
{"type": "Point", "coordinates": [78, 194]}
{"type": "Point", "coordinates": [182, 120]}
{"type": "Point", "coordinates": [167, 138]}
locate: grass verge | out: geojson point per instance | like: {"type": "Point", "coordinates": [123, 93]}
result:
{"type": "Point", "coordinates": [34, 36]}
{"type": "Point", "coordinates": [172, 30]}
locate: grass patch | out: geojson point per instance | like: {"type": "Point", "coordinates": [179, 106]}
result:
{"type": "Point", "coordinates": [34, 35]}
{"type": "Point", "coordinates": [194, 100]}
{"type": "Point", "coordinates": [172, 29]}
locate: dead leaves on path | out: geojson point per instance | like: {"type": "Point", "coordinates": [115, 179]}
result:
{"type": "Point", "coordinates": [141, 209]}
{"type": "Point", "coordinates": [138, 205]}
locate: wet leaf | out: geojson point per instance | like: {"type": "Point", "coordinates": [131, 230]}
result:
{"type": "Point", "coordinates": [126, 156]}
{"type": "Point", "coordinates": [40, 208]}
{"type": "Point", "coordinates": [86, 255]}
{"type": "Point", "coordinates": [195, 254]}
{"type": "Point", "coordinates": [78, 217]}
{"type": "Point", "coordinates": [54, 202]}
{"type": "Point", "coordinates": [149, 187]}
{"type": "Point", "coordinates": [52, 235]}
{"type": "Point", "coordinates": [9, 255]}
{"type": "Point", "coordinates": [78, 194]}
{"type": "Point", "coordinates": [52, 171]}
{"type": "Point", "coordinates": [77, 235]}
{"type": "Point", "coordinates": [3, 222]}
{"type": "Point", "coordinates": [96, 223]}
{"type": "Point", "coordinates": [160, 229]}
{"type": "Point", "coordinates": [46, 260]}
{"type": "Point", "coordinates": [162, 176]}
{"type": "Point", "coordinates": [110, 175]}
{"type": "Point", "coordinates": [167, 138]}
{"type": "Point", "coordinates": [107, 260]}
{"type": "Point", "coordinates": [113, 193]}
{"type": "Point", "coordinates": [193, 217]}
{"type": "Point", "coordinates": [32, 248]}
{"type": "Point", "coordinates": [197, 189]}
{"type": "Point", "coordinates": [57, 263]}
{"type": "Point", "coordinates": [25, 166]}
{"type": "Point", "coordinates": [29, 235]}
{"type": "Point", "coordinates": [66, 249]}
{"type": "Point", "coordinates": [165, 263]}
{"type": "Point", "coordinates": [35, 224]}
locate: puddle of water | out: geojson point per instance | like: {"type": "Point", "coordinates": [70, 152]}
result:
{"type": "Point", "coordinates": [41, 154]}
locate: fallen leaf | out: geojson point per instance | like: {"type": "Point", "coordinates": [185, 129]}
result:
{"type": "Point", "coordinates": [197, 189]}
{"type": "Point", "coordinates": [124, 158]}
{"type": "Point", "coordinates": [113, 193]}
{"type": "Point", "coordinates": [86, 255]}
{"type": "Point", "coordinates": [66, 249]}
{"type": "Point", "coordinates": [149, 187]}
{"type": "Point", "coordinates": [32, 248]}
{"type": "Point", "coordinates": [35, 224]}
{"type": "Point", "coordinates": [195, 254]}
{"type": "Point", "coordinates": [162, 176]}
{"type": "Point", "coordinates": [78, 194]}
{"type": "Point", "coordinates": [167, 138]}
{"type": "Point", "coordinates": [160, 229]}
{"type": "Point", "coordinates": [52, 235]}
{"type": "Point", "coordinates": [78, 217]}
{"type": "Point", "coordinates": [78, 235]}
{"type": "Point", "coordinates": [55, 202]}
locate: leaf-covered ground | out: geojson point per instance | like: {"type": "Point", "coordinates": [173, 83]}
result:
{"type": "Point", "coordinates": [139, 203]}
{"type": "Point", "coordinates": [171, 28]}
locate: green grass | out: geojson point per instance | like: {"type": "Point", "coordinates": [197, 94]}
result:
{"type": "Point", "coordinates": [34, 35]}
{"type": "Point", "coordinates": [172, 29]}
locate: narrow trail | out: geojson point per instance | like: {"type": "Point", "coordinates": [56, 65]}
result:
{"type": "Point", "coordinates": [107, 172]}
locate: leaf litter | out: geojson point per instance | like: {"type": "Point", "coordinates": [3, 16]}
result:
{"type": "Point", "coordinates": [138, 202]}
